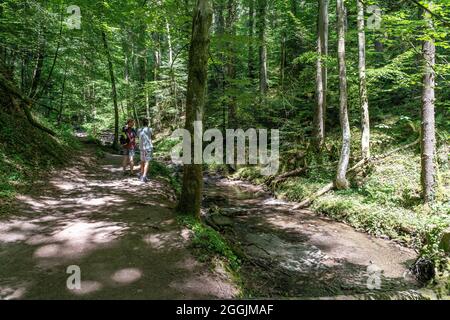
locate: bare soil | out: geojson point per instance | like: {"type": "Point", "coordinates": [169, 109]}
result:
{"type": "Point", "coordinates": [121, 233]}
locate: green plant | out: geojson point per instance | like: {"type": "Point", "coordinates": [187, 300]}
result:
{"type": "Point", "coordinates": [161, 170]}
{"type": "Point", "coordinates": [27, 152]}
{"type": "Point", "coordinates": [210, 243]}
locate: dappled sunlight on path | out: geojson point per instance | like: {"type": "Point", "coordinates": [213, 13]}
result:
{"type": "Point", "coordinates": [121, 233]}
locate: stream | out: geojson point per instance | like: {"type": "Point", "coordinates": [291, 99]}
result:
{"type": "Point", "coordinates": [298, 253]}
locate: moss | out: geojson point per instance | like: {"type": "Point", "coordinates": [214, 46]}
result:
{"type": "Point", "coordinates": [209, 243]}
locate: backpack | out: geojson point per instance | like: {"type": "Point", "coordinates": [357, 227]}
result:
{"type": "Point", "coordinates": [124, 139]}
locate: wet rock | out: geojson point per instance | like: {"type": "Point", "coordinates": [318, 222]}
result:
{"type": "Point", "coordinates": [214, 199]}
{"type": "Point", "coordinates": [231, 211]}
{"type": "Point", "coordinates": [445, 241]}
{"type": "Point", "coordinates": [423, 269]}
{"type": "Point", "coordinates": [221, 220]}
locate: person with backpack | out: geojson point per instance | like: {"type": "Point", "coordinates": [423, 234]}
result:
{"type": "Point", "coordinates": [145, 148]}
{"type": "Point", "coordinates": [128, 143]}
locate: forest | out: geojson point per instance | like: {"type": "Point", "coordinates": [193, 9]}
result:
{"type": "Point", "coordinates": [324, 128]}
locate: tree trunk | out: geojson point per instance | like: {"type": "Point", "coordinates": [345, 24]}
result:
{"type": "Point", "coordinates": [230, 64]}
{"type": "Point", "coordinates": [127, 83]}
{"type": "Point", "coordinates": [428, 122]}
{"type": "Point", "coordinates": [156, 56]}
{"type": "Point", "coordinates": [341, 179]}
{"type": "Point", "coordinates": [282, 59]}
{"type": "Point", "coordinates": [142, 69]}
{"type": "Point", "coordinates": [251, 34]}
{"type": "Point", "coordinates": [61, 102]}
{"type": "Point", "coordinates": [55, 57]}
{"type": "Point", "coordinates": [173, 84]}
{"type": "Point", "coordinates": [263, 81]}
{"type": "Point", "coordinates": [169, 43]}
{"type": "Point", "coordinates": [114, 92]}
{"type": "Point", "coordinates": [321, 75]}
{"type": "Point", "coordinates": [363, 98]}
{"type": "Point", "coordinates": [191, 194]}
{"type": "Point", "coordinates": [25, 102]}
{"type": "Point", "coordinates": [37, 72]}
{"type": "Point", "coordinates": [219, 32]}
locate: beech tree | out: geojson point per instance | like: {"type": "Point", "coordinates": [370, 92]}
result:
{"type": "Point", "coordinates": [262, 11]}
{"type": "Point", "coordinates": [363, 98]}
{"type": "Point", "coordinates": [191, 193]}
{"type": "Point", "coordinates": [113, 91]}
{"type": "Point", "coordinates": [322, 74]}
{"type": "Point", "coordinates": [341, 179]}
{"type": "Point", "coordinates": [428, 119]}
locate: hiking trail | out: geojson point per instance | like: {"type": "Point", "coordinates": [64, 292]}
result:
{"type": "Point", "coordinates": [124, 237]}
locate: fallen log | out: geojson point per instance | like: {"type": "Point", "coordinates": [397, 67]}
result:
{"type": "Point", "coordinates": [289, 174]}
{"type": "Point", "coordinates": [305, 203]}
{"type": "Point", "coordinates": [352, 171]}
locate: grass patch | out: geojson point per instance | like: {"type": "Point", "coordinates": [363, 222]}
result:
{"type": "Point", "coordinates": [210, 244]}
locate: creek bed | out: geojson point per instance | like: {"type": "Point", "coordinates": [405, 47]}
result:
{"type": "Point", "coordinates": [298, 253]}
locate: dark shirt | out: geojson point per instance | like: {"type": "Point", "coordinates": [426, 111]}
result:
{"type": "Point", "coordinates": [131, 134]}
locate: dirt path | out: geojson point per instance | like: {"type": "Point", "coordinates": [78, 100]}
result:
{"type": "Point", "coordinates": [123, 236]}
{"type": "Point", "coordinates": [301, 254]}
{"type": "Point", "coordinates": [120, 232]}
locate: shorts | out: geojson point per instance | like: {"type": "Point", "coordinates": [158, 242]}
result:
{"type": "Point", "coordinates": [128, 152]}
{"type": "Point", "coordinates": [146, 155]}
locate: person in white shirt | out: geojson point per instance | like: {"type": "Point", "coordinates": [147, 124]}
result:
{"type": "Point", "coordinates": [146, 149]}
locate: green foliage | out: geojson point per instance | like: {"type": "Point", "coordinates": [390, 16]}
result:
{"type": "Point", "coordinates": [158, 169]}
{"type": "Point", "coordinates": [27, 153]}
{"type": "Point", "coordinates": [164, 146]}
{"type": "Point", "coordinates": [250, 173]}
{"type": "Point", "coordinates": [384, 199]}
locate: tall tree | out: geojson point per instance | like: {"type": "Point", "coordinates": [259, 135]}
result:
{"type": "Point", "coordinates": [341, 177]}
{"type": "Point", "coordinates": [191, 194]}
{"type": "Point", "coordinates": [219, 22]}
{"type": "Point", "coordinates": [321, 75]}
{"type": "Point", "coordinates": [113, 90]}
{"type": "Point", "coordinates": [251, 34]}
{"type": "Point", "coordinates": [262, 24]}
{"type": "Point", "coordinates": [230, 63]}
{"type": "Point", "coordinates": [37, 71]}
{"type": "Point", "coordinates": [363, 98]}
{"type": "Point", "coordinates": [428, 122]}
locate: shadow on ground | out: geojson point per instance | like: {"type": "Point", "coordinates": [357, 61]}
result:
{"type": "Point", "coordinates": [120, 232]}
{"type": "Point", "coordinates": [301, 254]}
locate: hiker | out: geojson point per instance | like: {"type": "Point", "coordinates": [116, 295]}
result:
{"type": "Point", "coordinates": [145, 148]}
{"type": "Point", "coordinates": [128, 142]}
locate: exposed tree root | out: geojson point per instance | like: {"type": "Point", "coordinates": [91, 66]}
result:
{"type": "Point", "coordinates": [25, 104]}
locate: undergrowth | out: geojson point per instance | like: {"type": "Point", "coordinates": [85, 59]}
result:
{"type": "Point", "coordinates": [27, 152]}
{"type": "Point", "coordinates": [159, 169]}
{"type": "Point", "coordinates": [210, 244]}
{"type": "Point", "coordinates": [384, 200]}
